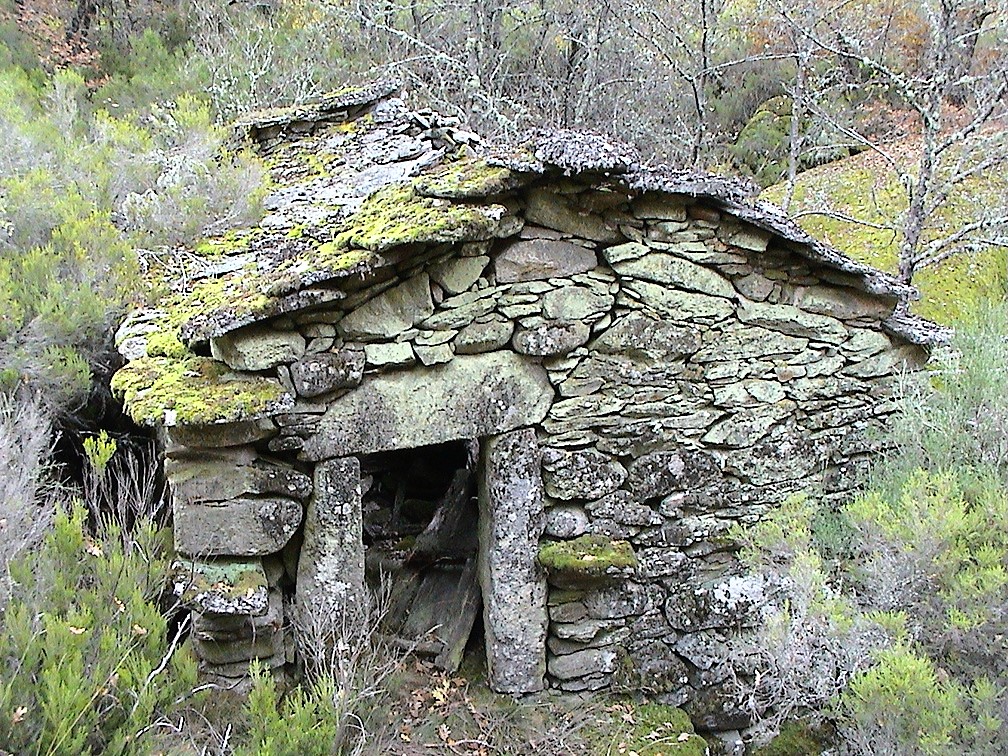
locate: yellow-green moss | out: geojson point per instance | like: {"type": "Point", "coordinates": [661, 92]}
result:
{"type": "Point", "coordinates": [165, 343]}
{"type": "Point", "coordinates": [794, 739]}
{"type": "Point", "coordinates": [863, 188]}
{"type": "Point", "coordinates": [466, 178]}
{"type": "Point", "coordinates": [647, 729]}
{"type": "Point", "coordinates": [192, 391]}
{"type": "Point", "coordinates": [396, 215]}
{"type": "Point", "coordinates": [236, 578]}
{"type": "Point", "coordinates": [585, 560]}
{"type": "Point", "coordinates": [233, 242]}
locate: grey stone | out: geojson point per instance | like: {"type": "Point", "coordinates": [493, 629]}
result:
{"type": "Point", "coordinates": [553, 210]}
{"type": "Point", "coordinates": [330, 571]}
{"type": "Point", "coordinates": [583, 474]}
{"type": "Point", "coordinates": [246, 526]}
{"type": "Point", "coordinates": [653, 206]}
{"type": "Point", "coordinates": [470, 397]}
{"type": "Point", "coordinates": [551, 338]}
{"type": "Point", "coordinates": [583, 630]}
{"type": "Point", "coordinates": [864, 343]}
{"type": "Point", "coordinates": [591, 661]}
{"type": "Point", "coordinates": [754, 286]}
{"type": "Point", "coordinates": [193, 480]}
{"type": "Point", "coordinates": [623, 508]}
{"type": "Point", "coordinates": [434, 355]}
{"type": "Point", "coordinates": [747, 426]}
{"type": "Point", "coordinates": [740, 342]}
{"type": "Point", "coordinates": [662, 562]}
{"type": "Point", "coordinates": [566, 521]}
{"type": "Point", "coordinates": [684, 306]}
{"type": "Point", "coordinates": [390, 313]}
{"type": "Point", "coordinates": [239, 639]}
{"type": "Point", "coordinates": [635, 334]}
{"type": "Point", "coordinates": [458, 274]}
{"type": "Point", "coordinates": [656, 474]}
{"type": "Point", "coordinates": [560, 647]}
{"type": "Point", "coordinates": [219, 434]}
{"type": "Point", "coordinates": [257, 347]}
{"type": "Point", "coordinates": [319, 330]}
{"type": "Point", "coordinates": [485, 336]}
{"type": "Point", "coordinates": [539, 259]}
{"type": "Point", "coordinates": [627, 251]}
{"type": "Point", "coordinates": [845, 304]}
{"type": "Point", "coordinates": [656, 668]}
{"type": "Point", "coordinates": [793, 321]}
{"type": "Point", "coordinates": [572, 611]}
{"type": "Point", "coordinates": [396, 354]}
{"type": "Point", "coordinates": [673, 271]}
{"type": "Point", "coordinates": [575, 303]}
{"type": "Point", "coordinates": [433, 338]}
{"type": "Point", "coordinates": [626, 599]}
{"type": "Point", "coordinates": [322, 373]}
{"type": "Point", "coordinates": [729, 603]}
{"type": "Point", "coordinates": [746, 237]}
{"type": "Point", "coordinates": [514, 588]}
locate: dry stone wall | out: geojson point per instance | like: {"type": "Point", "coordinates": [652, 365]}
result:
{"type": "Point", "coordinates": [681, 371]}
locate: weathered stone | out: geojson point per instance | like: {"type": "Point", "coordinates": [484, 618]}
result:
{"type": "Point", "coordinates": [194, 480]}
{"type": "Point", "coordinates": [514, 588]}
{"type": "Point", "coordinates": [257, 347]}
{"type": "Point", "coordinates": [845, 304]}
{"type": "Point", "coordinates": [539, 259]}
{"type": "Point", "coordinates": [634, 334]}
{"type": "Point", "coordinates": [673, 271]}
{"type": "Point", "coordinates": [575, 303]}
{"type": "Point", "coordinates": [433, 338]}
{"type": "Point", "coordinates": [219, 434]}
{"type": "Point", "coordinates": [739, 342]}
{"type": "Point", "coordinates": [884, 363]}
{"type": "Point", "coordinates": [222, 587]}
{"type": "Point", "coordinates": [662, 562]}
{"type": "Point", "coordinates": [754, 286]}
{"type": "Point", "coordinates": [622, 252]}
{"type": "Point", "coordinates": [246, 526]}
{"type": "Point", "coordinates": [566, 521]}
{"type": "Point", "coordinates": [623, 508]}
{"type": "Point", "coordinates": [231, 639]}
{"type": "Point", "coordinates": [551, 338]}
{"type": "Point", "coordinates": [656, 474]}
{"type": "Point", "coordinates": [553, 210]}
{"type": "Point", "coordinates": [747, 426]}
{"type": "Point", "coordinates": [330, 572]}
{"type": "Point", "coordinates": [583, 630]}
{"type": "Point", "coordinates": [561, 647]}
{"type": "Point", "coordinates": [470, 397]}
{"type": "Point", "coordinates": [485, 336]}
{"type": "Point", "coordinates": [625, 599]}
{"type": "Point", "coordinates": [322, 373]}
{"type": "Point", "coordinates": [718, 708]}
{"type": "Point", "coordinates": [454, 318]}
{"type": "Point", "coordinates": [654, 206]}
{"type": "Point", "coordinates": [390, 313]}
{"type": "Point", "coordinates": [591, 661]}
{"type": "Point", "coordinates": [459, 273]}
{"type": "Point", "coordinates": [864, 343]}
{"type": "Point", "coordinates": [679, 305]}
{"type": "Point", "coordinates": [572, 611]}
{"type": "Point", "coordinates": [746, 237]}
{"type": "Point", "coordinates": [396, 354]}
{"type": "Point", "coordinates": [584, 474]}
{"type": "Point", "coordinates": [793, 321]}
{"type": "Point", "coordinates": [434, 355]}
{"type": "Point", "coordinates": [727, 604]}
{"type": "Point", "coordinates": [656, 669]}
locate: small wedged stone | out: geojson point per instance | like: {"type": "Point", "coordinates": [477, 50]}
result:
{"type": "Point", "coordinates": [434, 355]}
{"type": "Point", "coordinates": [575, 303]}
{"type": "Point", "coordinates": [584, 474]}
{"type": "Point", "coordinates": [459, 274]}
{"type": "Point", "coordinates": [623, 252]}
{"type": "Point", "coordinates": [246, 526]}
{"type": "Point", "coordinates": [320, 374]}
{"type": "Point", "coordinates": [540, 259]}
{"type": "Point", "coordinates": [551, 338]}
{"type": "Point", "coordinates": [397, 354]}
{"type": "Point", "coordinates": [590, 661]}
{"type": "Point", "coordinates": [561, 213]}
{"type": "Point", "coordinates": [623, 508]}
{"type": "Point", "coordinates": [565, 521]}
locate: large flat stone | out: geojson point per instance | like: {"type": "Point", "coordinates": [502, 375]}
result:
{"type": "Point", "coordinates": [195, 480]}
{"type": "Point", "coordinates": [247, 526]}
{"type": "Point", "coordinates": [511, 522]}
{"type": "Point", "coordinates": [257, 347]}
{"type": "Point", "coordinates": [470, 397]}
{"type": "Point", "coordinates": [674, 271]}
{"type": "Point", "coordinates": [391, 312]}
{"type": "Point", "coordinates": [792, 321]}
{"type": "Point", "coordinates": [538, 259]}
{"type": "Point", "coordinates": [330, 572]}
{"type": "Point", "coordinates": [561, 212]}
{"type": "Point", "coordinates": [684, 306]}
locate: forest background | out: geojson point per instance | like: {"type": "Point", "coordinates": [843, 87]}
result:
{"type": "Point", "coordinates": [878, 124]}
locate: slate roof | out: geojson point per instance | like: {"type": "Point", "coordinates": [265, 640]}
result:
{"type": "Point", "coordinates": [360, 182]}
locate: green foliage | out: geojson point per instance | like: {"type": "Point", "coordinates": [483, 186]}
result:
{"type": "Point", "coordinates": [85, 664]}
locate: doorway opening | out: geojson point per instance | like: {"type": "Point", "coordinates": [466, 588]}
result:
{"type": "Point", "coordinates": [421, 535]}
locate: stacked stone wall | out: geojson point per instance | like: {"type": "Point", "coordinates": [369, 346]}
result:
{"type": "Point", "coordinates": [696, 372]}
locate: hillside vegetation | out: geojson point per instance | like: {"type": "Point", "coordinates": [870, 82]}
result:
{"type": "Point", "coordinates": [854, 203]}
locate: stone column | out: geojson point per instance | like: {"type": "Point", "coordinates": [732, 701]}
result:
{"type": "Point", "coordinates": [511, 521]}
{"type": "Point", "coordinates": [330, 575]}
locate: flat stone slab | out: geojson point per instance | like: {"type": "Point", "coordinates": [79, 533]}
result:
{"type": "Point", "coordinates": [207, 479]}
{"type": "Point", "coordinates": [247, 526]}
{"type": "Point", "coordinates": [222, 587]}
{"type": "Point", "coordinates": [538, 259]}
{"type": "Point", "coordinates": [469, 397]}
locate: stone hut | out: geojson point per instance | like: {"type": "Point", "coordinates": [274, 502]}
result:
{"type": "Point", "coordinates": [531, 389]}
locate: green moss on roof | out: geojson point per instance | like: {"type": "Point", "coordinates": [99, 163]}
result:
{"type": "Point", "coordinates": [467, 178]}
{"type": "Point", "coordinates": [397, 215]}
{"type": "Point", "coordinates": [193, 391]}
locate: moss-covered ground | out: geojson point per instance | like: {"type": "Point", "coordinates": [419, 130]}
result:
{"type": "Point", "coordinates": [854, 204]}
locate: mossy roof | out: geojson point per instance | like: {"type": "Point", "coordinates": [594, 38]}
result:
{"type": "Point", "coordinates": [358, 183]}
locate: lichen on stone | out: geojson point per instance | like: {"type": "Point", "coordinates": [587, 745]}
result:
{"type": "Point", "coordinates": [194, 391]}
{"type": "Point", "coordinates": [587, 560]}
{"type": "Point", "coordinates": [225, 586]}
